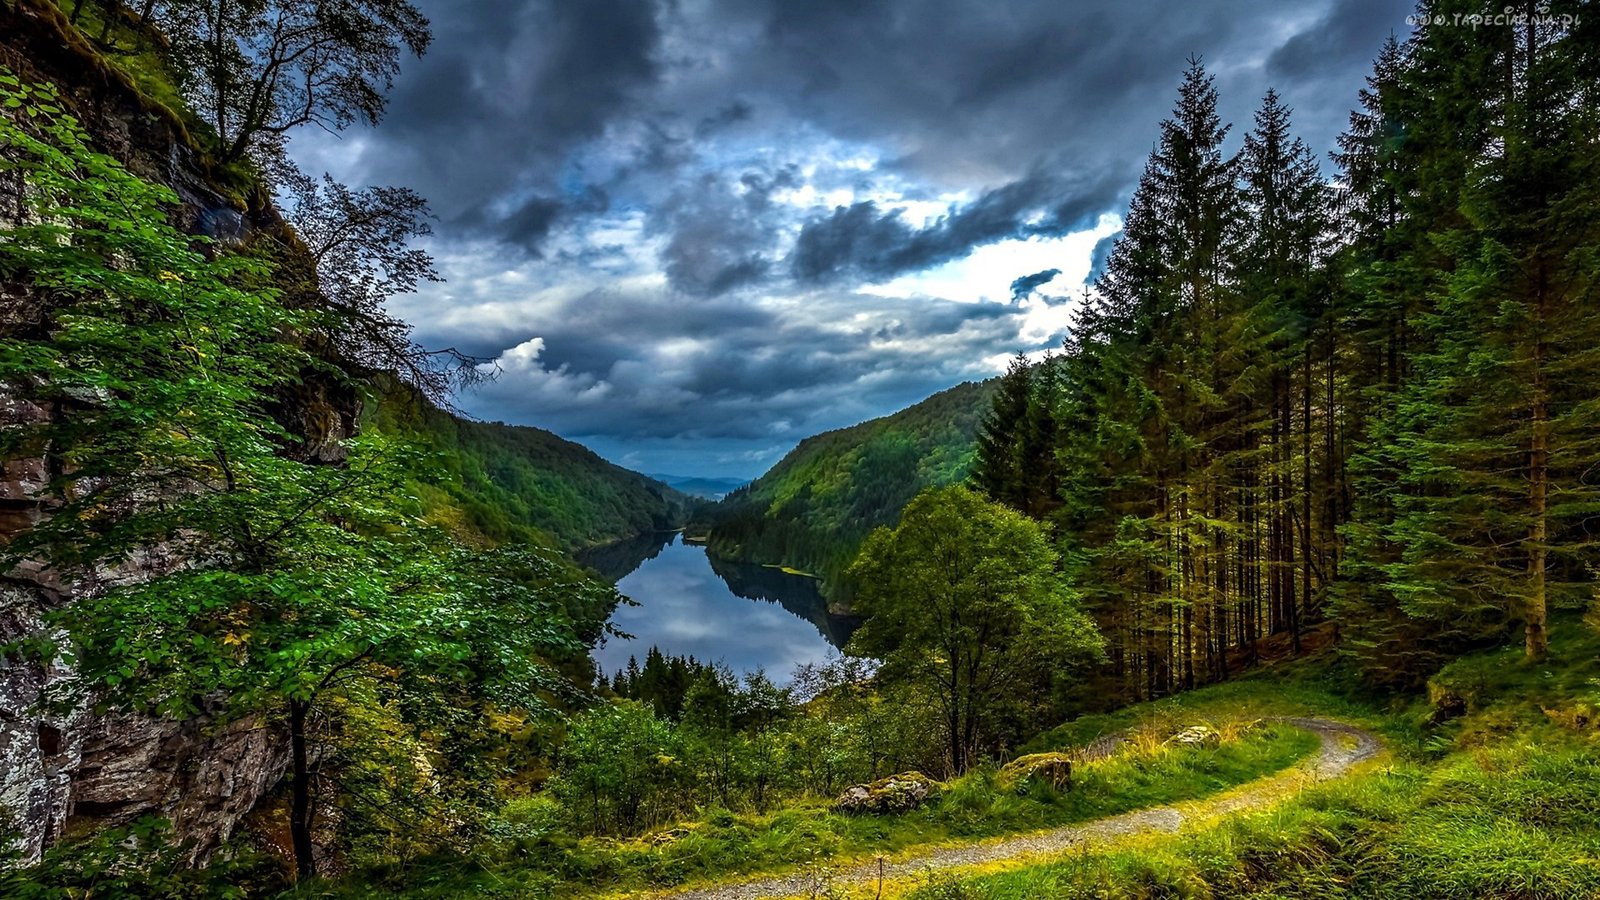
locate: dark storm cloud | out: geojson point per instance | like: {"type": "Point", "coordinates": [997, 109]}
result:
{"type": "Point", "coordinates": [864, 241]}
{"type": "Point", "coordinates": [721, 235]}
{"type": "Point", "coordinates": [1349, 34]}
{"type": "Point", "coordinates": [1345, 39]}
{"type": "Point", "coordinates": [765, 376]}
{"type": "Point", "coordinates": [512, 97]}
{"type": "Point", "coordinates": [964, 89]}
{"type": "Point", "coordinates": [506, 94]}
{"type": "Point", "coordinates": [673, 208]}
{"type": "Point", "coordinates": [530, 223]}
{"type": "Point", "coordinates": [737, 111]}
{"type": "Point", "coordinates": [1027, 284]}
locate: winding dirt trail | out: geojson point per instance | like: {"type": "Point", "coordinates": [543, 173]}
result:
{"type": "Point", "coordinates": [1343, 746]}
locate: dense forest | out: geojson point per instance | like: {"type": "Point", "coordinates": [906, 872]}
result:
{"type": "Point", "coordinates": [812, 510]}
{"type": "Point", "coordinates": [1301, 405]}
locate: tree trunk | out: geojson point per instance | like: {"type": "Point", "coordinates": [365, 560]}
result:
{"type": "Point", "coordinates": [305, 866]}
{"type": "Point", "coordinates": [1305, 499]}
{"type": "Point", "coordinates": [1537, 640]}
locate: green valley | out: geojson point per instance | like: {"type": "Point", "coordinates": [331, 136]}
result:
{"type": "Point", "coordinates": [1268, 567]}
{"type": "Point", "coordinates": [812, 510]}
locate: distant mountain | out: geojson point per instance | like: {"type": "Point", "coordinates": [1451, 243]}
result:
{"type": "Point", "coordinates": [511, 482]}
{"type": "Point", "coordinates": [813, 509]}
{"type": "Point", "coordinates": [695, 486]}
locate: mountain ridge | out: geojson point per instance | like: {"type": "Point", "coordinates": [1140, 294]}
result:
{"type": "Point", "coordinates": [514, 481]}
{"type": "Point", "coordinates": [816, 505]}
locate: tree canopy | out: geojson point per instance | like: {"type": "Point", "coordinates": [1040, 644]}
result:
{"type": "Point", "coordinates": [963, 597]}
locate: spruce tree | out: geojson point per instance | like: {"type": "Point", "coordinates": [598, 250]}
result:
{"type": "Point", "coordinates": [998, 471]}
{"type": "Point", "coordinates": [1288, 320]}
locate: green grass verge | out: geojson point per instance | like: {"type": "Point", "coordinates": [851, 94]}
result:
{"type": "Point", "coordinates": [1507, 823]}
{"type": "Point", "coordinates": [1497, 794]}
{"type": "Point", "coordinates": [1309, 687]}
{"type": "Point", "coordinates": [724, 845]}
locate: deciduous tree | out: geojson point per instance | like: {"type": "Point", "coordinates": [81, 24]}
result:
{"type": "Point", "coordinates": [963, 597]}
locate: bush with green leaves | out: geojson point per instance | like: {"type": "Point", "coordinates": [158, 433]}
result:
{"type": "Point", "coordinates": [140, 861]}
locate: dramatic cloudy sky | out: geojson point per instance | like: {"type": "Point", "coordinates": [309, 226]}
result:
{"type": "Point", "coordinates": [693, 232]}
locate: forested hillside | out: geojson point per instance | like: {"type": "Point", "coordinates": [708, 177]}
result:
{"type": "Point", "coordinates": [1361, 404]}
{"type": "Point", "coordinates": [507, 479]}
{"type": "Point", "coordinates": [813, 509]}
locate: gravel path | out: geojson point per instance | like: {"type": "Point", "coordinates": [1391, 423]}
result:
{"type": "Point", "coordinates": [1342, 747]}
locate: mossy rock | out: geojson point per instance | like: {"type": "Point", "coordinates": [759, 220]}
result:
{"type": "Point", "coordinates": [1054, 769]}
{"type": "Point", "coordinates": [1196, 736]}
{"type": "Point", "coordinates": [887, 796]}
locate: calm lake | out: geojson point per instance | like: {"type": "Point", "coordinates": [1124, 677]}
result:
{"type": "Point", "coordinates": [747, 617]}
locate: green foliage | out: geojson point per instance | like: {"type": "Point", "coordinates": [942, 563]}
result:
{"type": "Point", "coordinates": [1296, 406]}
{"type": "Point", "coordinates": [166, 362]}
{"type": "Point", "coordinates": [814, 507]}
{"type": "Point", "coordinates": [1508, 811]}
{"type": "Point", "coordinates": [139, 861]}
{"type": "Point", "coordinates": [1017, 462]}
{"type": "Point", "coordinates": [618, 768]}
{"type": "Point", "coordinates": [625, 767]}
{"type": "Point", "coordinates": [279, 590]}
{"type": "Point", "coordinates": [1481, 448]}
{"type": "Point", "coordinates": [963, 598]}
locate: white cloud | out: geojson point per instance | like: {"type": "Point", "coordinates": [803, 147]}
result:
{"type": "Point", "coordinates": [522, 373]}
{"type": "Point", "coordinates": [987, 272]}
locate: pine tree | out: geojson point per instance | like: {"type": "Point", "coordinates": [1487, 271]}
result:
{"type": "Point", "coordinates": [1041, 470]}
{"type": "Point", "coordinates": [1470, 483]}
{"type": "Point", "coordinates": [1289, 316]}
{"type": "Point", "coordinates": [998, 471]}
{"type": "Point", "coordinates": [1160, 405]}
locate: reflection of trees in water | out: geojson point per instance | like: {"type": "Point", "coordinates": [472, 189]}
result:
{"type": "Point", "coordinates": [797, 594]}
{"type": "Point", "coordinates": [615, 560]}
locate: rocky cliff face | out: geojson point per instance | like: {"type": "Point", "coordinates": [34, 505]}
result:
{"type": "Point", "coordinates": [64, 771]}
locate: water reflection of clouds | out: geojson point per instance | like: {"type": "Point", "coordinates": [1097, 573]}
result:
{"type": "Point", "coordinates": [686, 608]}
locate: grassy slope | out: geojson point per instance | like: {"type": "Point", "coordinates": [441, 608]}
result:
{"type": "Point", "coordinates": [512, 482]}
{"type": "Point", "coordinates": [812, 510]}
{"type": "Point", "coordinates": [1503, 801]}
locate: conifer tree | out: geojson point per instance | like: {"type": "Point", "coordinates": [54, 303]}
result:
{"type": "Point", "coordinates": [1500, 426]}
{"type": "Point", "coordinates": [1287, 318]}
{"type": "Point", "coordinates": [998, 469]}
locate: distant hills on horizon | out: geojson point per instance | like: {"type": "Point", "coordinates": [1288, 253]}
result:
{"type": "Point", "coordinates": [709, 488]}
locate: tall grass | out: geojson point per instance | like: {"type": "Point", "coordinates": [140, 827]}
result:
{"type": "Point", "coordinates": [1505, 824]}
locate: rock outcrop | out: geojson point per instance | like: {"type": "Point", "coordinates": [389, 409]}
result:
{"type": "Point", "coordinates": [887, 796]}
{"type": "Point", "coordinates": [1196, 736]}
{"type": "Point", "coordinates": [1054, 769]}
{"type": "Point", "coordinates": [75, 770]}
